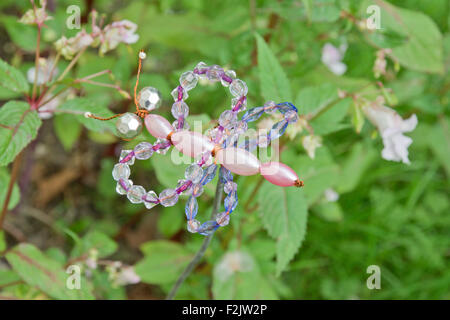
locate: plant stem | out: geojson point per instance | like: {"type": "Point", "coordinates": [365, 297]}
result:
{"type": "Point", "coordinates": [199, 255]}
{"type": "Point", "coordinates": [36, 63]}
{"type": "Point", "coordinates": [14, 173]}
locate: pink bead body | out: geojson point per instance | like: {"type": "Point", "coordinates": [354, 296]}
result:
{"type": "Point", "coordinates": [158, 126]}
{"type": "Point", "coordinates": [191, 143]}
{"type": "Point", "coordinates": [279, 174]}
{"type": "Point", "coordinates": [238, 161]}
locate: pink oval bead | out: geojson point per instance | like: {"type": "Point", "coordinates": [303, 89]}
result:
{"type": "Point", "coordinates": [279, 174]}
{"type": "Point", "coordinates": [238, 161]}
{"type": "Point", "coordinates": [158, 126]}
{"type": "Point", "coordinates": [191, 143]}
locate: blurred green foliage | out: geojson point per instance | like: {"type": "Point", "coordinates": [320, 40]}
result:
{"type": "Point", "coordinates": [297, 244]}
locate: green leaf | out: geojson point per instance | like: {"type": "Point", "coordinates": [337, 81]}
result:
{"type": "Point", "coordinates": [67, 129]}
{"type": "Point", "coordinates": [95, 240]}
{"type": "Point", "coordinates": [7, 277]}
{"type": "Point", "coordinates": [422, 48]}
{"type": "Point", "coordinates": [168, 174]}
{"type": "Point", "coordinates": [22, 35]}
{"type": "Point", "coordinates": [283, 212]}
{"type": "Point", "coordinates": [2, 241]}
{"type": "Point", "coordinates": [163, 261]}
{"type": "Point", "coordinates": [322, 102]}
{"type": "Point", "coordinates": [273, 81]}
{"type": "Point", "coordinates": [171, 221]}
{"type": "Point", "coordinates": [357, 117]}
{"type": "Point", "coordinates": [324, 11]}
{"type": "Point", "coordinates": [18, 126]}
{"type": "Point", "coordinates": [37, 270]}
{"type": "Point", "coordinates": [82, 105]}
{"type": "Point", "coordinates": [4, 182]}
{"type": "Point", "coordinates": [12, 79]}
{"type": "Point", "coordinates": [248, 283]}
{"type": "Point", "coordinates": [359, 160]}
{"type": "Point", "coordinates": [329, 211]}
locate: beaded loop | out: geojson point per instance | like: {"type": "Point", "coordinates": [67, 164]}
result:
{"type": "Point", "coordinates": [203, 170]}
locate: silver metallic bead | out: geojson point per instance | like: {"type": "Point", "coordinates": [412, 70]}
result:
{"type": "Point", "coordinates": [149, 98]}
{"type": "Point", "coordinates": [128, 125]}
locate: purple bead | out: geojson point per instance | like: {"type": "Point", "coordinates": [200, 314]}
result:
{"type": "Point", "coordinates": [180, 93]}
{"type": "Point", "coordinates": [184, 186]}
{"type": "Point", "coordinates": [239, 103]}
{"type": "Point", "coordinates": [127, 157]}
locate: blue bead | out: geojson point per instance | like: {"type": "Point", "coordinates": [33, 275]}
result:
{"type": "Point", "coordinates": [286, 106]}
{"type": "Point", "coordinates": [225, 175]}
{"type": "Point", "coordinates": [277, 130]}
{"type": "Point", "coordinates": [208, 174]}
{"type": "Point", "coordinates": [208, 228]}
{"type": "Point", "coordinates": [231, 202]}
{"type": "Point", "coordinates": [191, 208]}
{"type": "Point", "coordinates": [253, 114]}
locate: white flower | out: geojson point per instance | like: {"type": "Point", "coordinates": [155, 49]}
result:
{"type": "Point", "coordinates": [332, 57]}
{"type": "Point", "coordinates": [126, 276]}
{"type": "Point", "coordinates": [118, 32]}
{"type": "Point", "coordinates": [331, 195]}
{"type": "Point", "coordinates": [69, 47]}
{"type": "Point", "coordinates": [391, 127]}
{"type": "Point", "coordinates": [310, 143]}
{"type": "Point", "coordinates": [232, 262]}
{"type": "Point", "coordinates": [45, 67]}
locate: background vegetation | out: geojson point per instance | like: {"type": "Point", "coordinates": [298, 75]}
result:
{"type": "Point", "coordinates": [280, 243]}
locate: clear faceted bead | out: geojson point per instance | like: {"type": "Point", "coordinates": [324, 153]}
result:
{"type": "Point", "coordinates": [238, 88]}
{"type": "Point", "coordinates": [208, 227]}
{"type": "Point", "coordinates": [174, 94]}
{"type": "Point", "coordinates": [125, 153]}
{"type": "Point", "coordinates": [143, 151]}
{"type": "Point", "coordinates": [230, 75]}
{"type": "Point", "coordinates": [231, 139]}
{"type": "Point", "coordinates": [214, 73]}
{"type": "Point", "coordinates": [168, 197]}
{"type": "Point", "coordinates": [197, 190]}
{"type": "Point", "coordinates": [215, 134]}
{"type": "Point", "coordinates": [121, 171]}
{"type": "Point", "coordinates": [180, 109]}
{"type": "Point", "coordinates": [231, 202]}
{"type": "Point", "coordinates": [162, 150]}
{"type": "Point", "coordinates": [222, 219]}
{"type": "Point", "coordinates": [204, 158]}
{"type": "Point", "coordinates": [227, 119]}
{"type": "Point", "coordinates": [225, 175]}
{"type": "Point", "coordinates": [150, 199]}
{"type": "Point", "coordinates": [188, 80]}
{"type": "Point", "coordinates": [291, 116]}
{"type": "Point", "coordinates": [185, 125]}
{"type": "Point", "coordinates": [191, 208]}
{"type": "Point", "coordinates": [193, 225]}
{"type": "Point", "coordinates": [128, 125]}
{"type": "Point", "coordinates": [243, 106]}
{"type": "Point", "coordinates": [278, 129]}
{"type": "Point", "coordinates": [135, 194]}
{"type": "Point", "coordinates": [270, 107]}
{"type": "Point", "coordinates": [123, 186]}
{"type": "Point", "coordinates": [241, 127]}
{"type": "Point", "coordinates": [263, 140]}
{"type": "Point", "coordinates": [149, 98]}
{"type": "Point", "coordinates": [253, 114]}
{"type": "Point", "coordinates": [208, 174]}
{"type": "Point", "coordinates": [181, 183]}
{"type": "Point", "coordinates": [230, 186]}
{"type": "Point", "coordinates": [201, 67]}
{"type": "Point", "coordinates": [194, 173]}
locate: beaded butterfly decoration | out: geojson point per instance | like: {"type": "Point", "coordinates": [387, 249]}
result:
{"type": "Point", "coordinates": [217, 149]}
